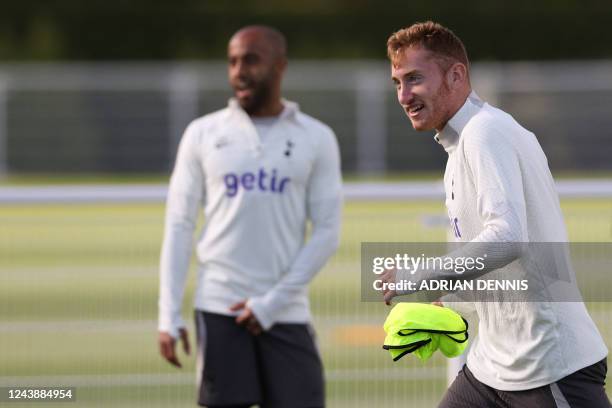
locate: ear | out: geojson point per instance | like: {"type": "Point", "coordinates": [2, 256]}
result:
{"type": "Point", "coordinates": [456, 75]}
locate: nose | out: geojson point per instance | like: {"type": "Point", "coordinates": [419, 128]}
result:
{"type": "Point", "coordinates": [404, 94]}
{"type": "Point", "coordinates": [240, 67]}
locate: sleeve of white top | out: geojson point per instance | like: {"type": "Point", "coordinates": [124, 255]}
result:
{"type": "Point", "coordinates": [185, 196]}
{"type": "Point", "coordinates": [495, 165]}
{"type": "Point", "coordinates": [496, 174]}
{"type": "Point", "coordinates": [324, 207]}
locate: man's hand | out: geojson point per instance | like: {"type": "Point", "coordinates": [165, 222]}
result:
{"type": "Point", "coordinates": [167, 345]}
{"type": "Point", "coordinates": [247, 318]}
{"type": "Point", "coordinates": [388, 277]}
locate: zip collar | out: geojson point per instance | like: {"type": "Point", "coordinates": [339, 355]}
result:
{"type": "Point", "coordinates": [290, 109]}
{"type": "Point", "coordinates": [243, 120]}
{"type": "Point", "coordinates": [450, 135]}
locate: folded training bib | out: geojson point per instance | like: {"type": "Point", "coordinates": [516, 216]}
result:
{"type": "Point", "coordinates": [424, 328]}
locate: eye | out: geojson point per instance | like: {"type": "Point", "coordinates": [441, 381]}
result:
{"type": "Point", "coordinates": [414, 78]}
{"type": "Point", "coordinates": [251, 58]}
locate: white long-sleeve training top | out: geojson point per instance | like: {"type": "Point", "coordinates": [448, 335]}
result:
{"type": "Point", "coordinates": [499, 189]}
{"type": "Point", "coordinates": [258, 194]}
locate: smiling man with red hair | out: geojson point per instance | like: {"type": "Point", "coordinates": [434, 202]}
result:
{"type": "Point", "coordinates": [499, 194]}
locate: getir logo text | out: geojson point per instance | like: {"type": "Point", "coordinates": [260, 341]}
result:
{"type": "Point", "coordinates": [262, 181]}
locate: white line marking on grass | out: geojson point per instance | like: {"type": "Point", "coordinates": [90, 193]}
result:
{"type": "Point", "coordinates": [87, 271]}
{"type": "Point", "coordinates": [356, 191]}
{"type": "Point", "coordinates": [103, 325]}
{"type": "Point", "coordinates": [382, 374]}
{"type": "Point", "coordinates": [79, 326]}
{"type": "Point", "coordinates": [321, 323]}
{"type": "Point", "coordinates": [133, 380]}
{"type": "Point", "coordinates": [105, 380]}
{"type": "Point", "coordinates": [28, 326]}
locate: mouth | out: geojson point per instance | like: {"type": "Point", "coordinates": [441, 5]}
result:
{"type": "Point", "coordinates": [414, 110]}
{"type": "Point", "coordinates": [244, 93]}
{"type": "Point", "coordinates": [243, 90]}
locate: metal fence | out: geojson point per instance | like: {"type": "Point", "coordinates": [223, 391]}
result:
{"type": "Point", "coordinates": [128, 117]}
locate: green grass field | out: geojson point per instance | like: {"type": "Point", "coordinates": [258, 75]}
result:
{"type": "Point", "coordinates": [78, 293]}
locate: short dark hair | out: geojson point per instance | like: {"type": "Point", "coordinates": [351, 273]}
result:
{"type": "Point", "coordinates": [273, 37]}
{"type": "Point", "coordinates": [431, 36]}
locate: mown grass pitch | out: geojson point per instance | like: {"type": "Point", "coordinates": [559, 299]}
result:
{"type": "Point", "coordinates": [78, 293]}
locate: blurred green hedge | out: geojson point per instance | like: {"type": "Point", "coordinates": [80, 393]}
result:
{"type": "Point", "coordinates": [196, 29]}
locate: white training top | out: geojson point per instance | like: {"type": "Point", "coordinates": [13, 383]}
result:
{"type": "Point", "coordinates": [499, 189]}
{"type": "Point", "coordinates": [258, 195]}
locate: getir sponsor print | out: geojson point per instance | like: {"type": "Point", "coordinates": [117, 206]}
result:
{"type": "Point", "coordinates": [262, 181]}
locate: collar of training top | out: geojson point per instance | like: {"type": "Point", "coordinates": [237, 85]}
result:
{"type": "Point", "coordinates": [449, 136]}
{"type": "Point", "coordinates": [289, 112]}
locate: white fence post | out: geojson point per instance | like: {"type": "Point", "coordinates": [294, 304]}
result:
{"type": "Point", "coordinates": [183, 89]}
{"type": "Point", "coordinates": [371, 126]}
{"type": "Point", "coordinates": [3, 128]}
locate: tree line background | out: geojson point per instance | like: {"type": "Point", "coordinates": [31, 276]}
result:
{"type": "Point", "coordinates": [33, 30]}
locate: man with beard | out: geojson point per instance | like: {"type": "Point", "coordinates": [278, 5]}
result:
{"type": "Point", "coordinates": [261, 170]}
{"type": "Point", "coordinates": [499, 193]}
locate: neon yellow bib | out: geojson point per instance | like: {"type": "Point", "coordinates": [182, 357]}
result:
{"type": "Point", "coordinates": [423, 328]}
